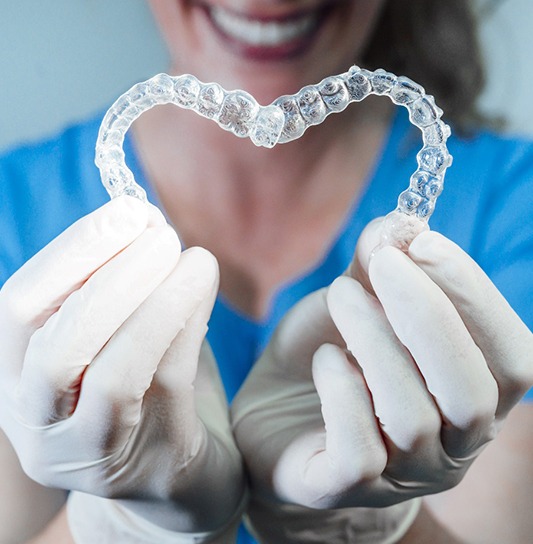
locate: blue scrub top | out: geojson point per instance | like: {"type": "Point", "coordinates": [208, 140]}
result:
{"type": "Point", "coordinates": [486, 207]}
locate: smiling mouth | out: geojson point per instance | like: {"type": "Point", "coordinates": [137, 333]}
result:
{"type": "Point", "coordinates": [267, 38]}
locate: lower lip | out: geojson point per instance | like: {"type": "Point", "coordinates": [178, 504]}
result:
{"type": "Point", "coordinates": [288, 50]}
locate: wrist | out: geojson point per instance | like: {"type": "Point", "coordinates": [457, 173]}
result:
{"type": "Point", "coordinates": [281, 523]}
{"type": "Point", "coordinates": [96, 519]}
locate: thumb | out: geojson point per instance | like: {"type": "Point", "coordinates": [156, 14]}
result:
{"type": "Point", "coordinates": [367, 244]}
{"type": "Point", "coordinates": [178, 367]}
{"type": "Point", "coordinates": [302, 331]}
{"type": "Point", "coordinates": [176, 379]}
{"type": "Point", "coordinates": [395, 229]}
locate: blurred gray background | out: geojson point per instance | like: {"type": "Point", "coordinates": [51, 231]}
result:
{"type": "Point", "coordinates": [60, 60]}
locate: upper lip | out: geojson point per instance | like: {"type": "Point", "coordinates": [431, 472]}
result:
{"type": "Point", "coordinates": [262, 16]}
{"type": "Point", "coordinates": [268, 36]}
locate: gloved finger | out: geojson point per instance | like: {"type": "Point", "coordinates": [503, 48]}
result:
{"type": "Point", "coordinates": [155, 215]}
{"type": "Point", "coordinates": [175, 380]}
{"type": "Point", "coordinates": [405, 410]}
{"type": "Point", "coordinates": [63, 347]}
{"type": "Point", "coordinates": [366, 245]}
{"type": "Point", "coordinates": [210, 398]}
{"type": "Point", "coordinates": [395, 229]}
{"type": "Point", "coordinates": [504, 339]}
{"type": "Point", "coordinates": [354, 451]}
{"type": "Point", "coordinates": [303, 330]}
{"type": "Point", "coordinates": [40, 287]}
{"type": "Point", "coordinates": [114, 385]}
{"type": "Point", "coordinates": [427, 323]}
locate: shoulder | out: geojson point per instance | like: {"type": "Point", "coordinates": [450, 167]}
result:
{"type": "Point", "coordinates": [49, 160]}
{"type": "Point", "coordinates": [44, 187]}
{"type": "Point", "coordinates": [488, 191]}
{"type": "Point", "coordinates": [492, 161]}
{"type": "Point", "coordinates": [487, 207]}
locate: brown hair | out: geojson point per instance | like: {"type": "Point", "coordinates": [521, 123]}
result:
{"type": "Point", "coordinates": [435, 43]}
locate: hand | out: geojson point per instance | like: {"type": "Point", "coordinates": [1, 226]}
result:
{"type": "Point", "coordinates": [107, 384]}
{"type": "Point", "coordinates": [367, 399]}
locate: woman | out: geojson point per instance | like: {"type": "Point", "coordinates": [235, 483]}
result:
{"type": "Point", "coordinates": [102, 332]}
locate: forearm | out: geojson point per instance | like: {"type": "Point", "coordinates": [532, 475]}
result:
{"type": "Point", "coordinates": [426, 528]}
{"type": "Point", "coordinates": [57, 531]}
{"type": "Point", "coordinates": [26, 507]}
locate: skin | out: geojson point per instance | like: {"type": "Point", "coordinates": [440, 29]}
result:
{"type": "Point", "coordinates": [279, 213]}
{"type": "Point", "coordinates": [250, 190]}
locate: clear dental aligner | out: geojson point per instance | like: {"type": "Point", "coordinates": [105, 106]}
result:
{"type": "Point", "coordinates": [286, 119]}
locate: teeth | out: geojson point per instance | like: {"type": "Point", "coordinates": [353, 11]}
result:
{"type": "Point", "coordinates": [258, 33]}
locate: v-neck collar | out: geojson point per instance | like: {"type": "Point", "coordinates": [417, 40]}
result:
{"type": "Point", "coordinates": [365, 207]}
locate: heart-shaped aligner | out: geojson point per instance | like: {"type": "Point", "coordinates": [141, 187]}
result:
{"type": "Point", "coordinates": [286, 119]}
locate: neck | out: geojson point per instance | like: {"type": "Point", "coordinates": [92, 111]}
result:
{"type": "Point", "coordinates": [265, 202]}
{"type": "Point", "coordinates": [188, 155]}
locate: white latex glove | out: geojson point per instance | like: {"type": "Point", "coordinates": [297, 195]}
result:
{"type": "Point", "coordinates": [101, 335]}
{"type": "Point", "coordinates": [367, 401]}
